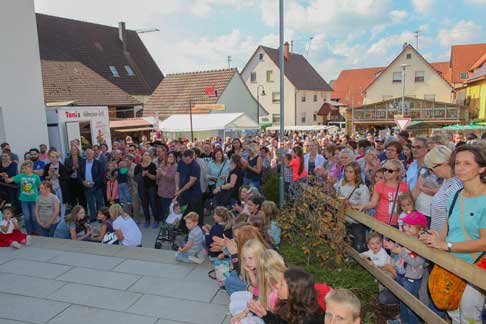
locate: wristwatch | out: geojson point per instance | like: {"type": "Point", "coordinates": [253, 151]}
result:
{"type": "Point", "coordinates": [449, 246]}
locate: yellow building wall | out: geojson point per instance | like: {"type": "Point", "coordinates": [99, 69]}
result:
{"type": "Point", "coordinates": [477, 93]}
{"type": "Point", "coordinates": [433, 84]}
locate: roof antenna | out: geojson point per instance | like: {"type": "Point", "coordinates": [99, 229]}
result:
{"type": "Point", "coordinates": [417, 39]}
{"type": "Point", "coordinates": [308, 48]}
{"type": "Point", "coordinates": [229, 61]}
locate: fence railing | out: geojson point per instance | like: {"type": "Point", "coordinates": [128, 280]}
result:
{"type": "Point", "coordinates": [471, 273]}
{"type": "Point", "coordinates": [417, 114]}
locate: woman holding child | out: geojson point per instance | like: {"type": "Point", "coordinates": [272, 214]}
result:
{"type": "Point", "coordinates": [166, 184]}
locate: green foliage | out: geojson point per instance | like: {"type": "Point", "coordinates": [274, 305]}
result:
{"type": "Point", "coordinates": [270, 188]}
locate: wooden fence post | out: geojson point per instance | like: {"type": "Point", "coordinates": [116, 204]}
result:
{"type": "Point", "coordinates": [340, 225]}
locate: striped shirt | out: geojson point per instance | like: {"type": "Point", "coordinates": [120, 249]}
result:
{"type": "Point", "coordinates": [439, 211]}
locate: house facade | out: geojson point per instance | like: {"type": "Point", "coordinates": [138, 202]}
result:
{"type": "Point", "coordinates": [476, 89]}
{"type": "Point", "coordinates": [422, 80]}
{"type": "Point", "coordinates": [305, 89]}
{"type": "Point", "coordinates": [177, 92]}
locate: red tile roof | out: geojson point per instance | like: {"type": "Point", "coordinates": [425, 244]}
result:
{"type": "Point", "coordinates": [351, 83]}
{"type": "Point", "coordinates": [444, 70]}
{"type": "Point", "coordinates": [173, 94]}
{"type": "Point", "coordinates": [479, 62]}
{"type": "Point", "coordinates": [99, 47]}
{"type": "Point", "coordinates": [327, 108]}
{"type": "Point", "coordinates": [463, 57]}
{"type": "Point", "coordinates": [73, 81]}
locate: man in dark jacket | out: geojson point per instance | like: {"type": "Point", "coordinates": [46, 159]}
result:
{"type": "Point", "coordinates": [92, 178]}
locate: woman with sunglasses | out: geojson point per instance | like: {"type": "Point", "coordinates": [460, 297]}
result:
{"type": "Point", "coordinates": [385, 193]}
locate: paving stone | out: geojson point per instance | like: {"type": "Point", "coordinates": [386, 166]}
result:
{"type": "Point", "coordinates": [98, 249]}
{"type": "Point", "coordinates": [95, 297]}
{"type": "Point", "coordinates": [221, 298]}
{"type": "Point", "coordinates": [28, 309]}
{"type": "Point", "coordinates": [165, 321]}
{"type": "Point", "coordinates": [48, 242]}
{"type": "Point", "coordinates": [35, 254]}
{"type": "Point", "coordinates": [6, 254]}
{"type": "Point", "coordinates": [28, 286]}
{"type": "Point", "coordinates": [151, 255]}
{"type": "Point", "coordinates": [154, 269]}
{"type": "Point", "coordinates": [179, 310]}
{"type": "Point", "coordinates": [86, 260]}
{"type": "Point", "coordinates": [182, 289]}
{"type": "Point", "coordinates": [76, 314]}
{"type": "Point", "coordinates": [34, 268]}
{"type": "Point", "coordinates": [99, 278]}
{"type": "Point", "coordinates": [6, 321]}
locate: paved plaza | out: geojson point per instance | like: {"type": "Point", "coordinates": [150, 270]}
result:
{"type": "Point", "coordinates": [68, 282]}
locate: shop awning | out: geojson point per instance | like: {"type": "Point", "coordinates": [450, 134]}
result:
{"type": "Point", "coordinates": [207, 122]}
{"type": "Point", "coordinates": [136, 129]}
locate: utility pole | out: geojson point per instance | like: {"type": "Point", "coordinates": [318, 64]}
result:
{"type": "Point", "coordinates": [282, 96]}
{"type": "Point", "coordinates": [229, 61]}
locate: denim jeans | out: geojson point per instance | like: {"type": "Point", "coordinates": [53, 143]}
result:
{"type": "Point", "coordinates": [124, 193]}
{"type": "Point", "coordinates": [184, 256]}
{"type": "Point", "coordinates": [94, 199]}
{"type": "Point", "coordinates": [233, 283]}
{"type": "Point", "coordinates": [62, 206]}
{"type": "Point", "coordinates": [148, 195]}
{"type": "Point", "coordinates": [412, 286]}
{"type": "Point", "coordinates": [48, 232]}
{"type": "Point", "coordinates": [28, 209]}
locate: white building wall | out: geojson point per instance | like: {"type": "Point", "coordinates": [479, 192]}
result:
{"type": "Point", "coordinates": [23, 115]}
{"type": "Point", "coordinates": [237, 98]}
{"type": "Point", "coordinates": [309, 107]}
{"type": "Point", "coordinates": [433, 84]}
{"type": "Point", "coordinates": [261, 67]}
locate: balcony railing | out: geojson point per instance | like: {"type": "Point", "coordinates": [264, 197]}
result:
{"type": "Point", "coordinates": [438, 114]}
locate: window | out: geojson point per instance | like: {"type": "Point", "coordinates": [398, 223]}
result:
{"type": "Point", "coordinates": [302, 117]}
{"type": "Point", "coordinates": [386, 97]}
{"type": "Point", "coordinates": [129, 70]}
{"type": "Point", "coordinates": [397, 76]}
{"type": "Point", "coordinates": [430, 97]}
{"type": "Point", "coordinates": [314, 116]}
{"type": "Point", "coordinates": [276, 119]}
{"type": "Point", "coordinates": [260, 56]}
{"type": "Point", "coordinates": [269, 76]}
{"type": "Point", "coordinates": [275, 97]}
{"type": "Point", "coordinates": [409, 56]}
{"type": "Point", "coordinates": [114, 71]}
{"type": "Point", "coordinates": [315, 98]}
{"type": "Point", "coordinates": [253, 77]}
{"type": "Point", "coordinates": [303, 98]}
{"type": "Point", "coordinates": [419, 76]}
{"type": "Point", "coordinates": [463, 75]}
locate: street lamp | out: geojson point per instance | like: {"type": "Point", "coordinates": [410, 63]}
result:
{"type": "Point", "coordinates": [258, 102]}
{"type": "Point", "coordinates": [404, 66]}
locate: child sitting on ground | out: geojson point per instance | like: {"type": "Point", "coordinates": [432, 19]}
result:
{"type": "Point", "coordinates": [409, 265]}
{"type": "Point", "coordinates": [10, 234]}
{"type": "Point", "coordinates": [189, 252]}
{"type": "Point", "coordinates": [175, 214]}
{"type": "Point", "coordinates": [223, 223]}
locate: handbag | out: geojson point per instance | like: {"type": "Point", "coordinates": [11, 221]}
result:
{"type": "Point", "coordinates": [446, 288]}
{"type": "Point", "coordinates": [213, 186]}
{"type": "Point", "coordinates": [110, 238]}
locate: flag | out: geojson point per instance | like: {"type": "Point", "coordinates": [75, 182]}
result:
{"type": "Point", "coordinates": [211, 91]}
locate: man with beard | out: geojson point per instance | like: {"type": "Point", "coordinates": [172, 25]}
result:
{"type": "Point", "coordinates": [38, 163]}
{"type": "Point", "coordinates": [43, 156]}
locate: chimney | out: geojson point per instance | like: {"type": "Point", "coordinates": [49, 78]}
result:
{"type": "Point", "coordinates": [122, 35]}
{"type": "Point", "coordinates": [286, 51]}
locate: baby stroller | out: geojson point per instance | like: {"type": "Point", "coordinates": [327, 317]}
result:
{"type": "Point", "coordinates": [169, 233]}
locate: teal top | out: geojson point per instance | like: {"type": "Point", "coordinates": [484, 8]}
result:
{"type": "Point", "coordinates": [29, 186]}
{"type": "Point", "coordinates": [474, 221]}
{"type": "Point", "coordinates": [213, 169]}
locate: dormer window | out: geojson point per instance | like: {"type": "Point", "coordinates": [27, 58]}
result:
{"type": "Point", "coordinates": [114, 71]}
{"type": "Point", "coordinates": [129, 70]}
{"type": "Point", "coordinates": [463, 75]}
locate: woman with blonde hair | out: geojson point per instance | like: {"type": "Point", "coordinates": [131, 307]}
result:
{"type": "Point", "coordinates": [270, 275]}
{"type": "Point", "coordinates": [125, 228]}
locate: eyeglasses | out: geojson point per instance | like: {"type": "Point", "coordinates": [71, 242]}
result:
{"type": "Point", "coordinates": [417, 147]}
{"type": "Point", "coordinates": [436, 166]}
{"type": "Point", "coordinates": [390, 170]}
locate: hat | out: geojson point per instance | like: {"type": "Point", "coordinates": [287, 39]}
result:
{"type": "Point", "coordinates": [404, 133]}
{"type": "Point", "coordinates": [380, 140]}
{"type": "Point", "coordinates": [438, 155]}
{"type": "Point", "coordinates": [415, 218]}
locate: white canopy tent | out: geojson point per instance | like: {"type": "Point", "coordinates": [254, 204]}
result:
{"type": "Point", "coordinates": [208, 125]}
{"type": "Point", "coordinates": [303, 128]}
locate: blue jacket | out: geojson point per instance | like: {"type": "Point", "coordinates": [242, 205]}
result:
{"type": "Point", "coordinates": [97, 172]}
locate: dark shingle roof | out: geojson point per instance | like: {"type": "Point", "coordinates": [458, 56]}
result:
{"type": "Point", "coordinates": [299, 71]}
{"type": "Point", "coordinates": [74, 81]}
{"type": "Point", "coordinates": [98, 47]}
{"type": "Point", "coordinates": [174, 92]}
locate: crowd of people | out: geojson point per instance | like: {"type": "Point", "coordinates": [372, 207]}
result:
{"type": "Point", "coordinates": [429, 188]}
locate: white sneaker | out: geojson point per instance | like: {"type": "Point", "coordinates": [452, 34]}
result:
{"type": "Point", "coordinates": [28, 240]}
{"type": "Point", "coordinates": [16, 245]}
{"type": "Point", "coordinates": [197, 260]}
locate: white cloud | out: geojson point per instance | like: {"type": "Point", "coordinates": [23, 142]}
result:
{"type": "Point", "coordinates": [398, 15]}
{"type": "Point", "coordinates": [423, 6]}
{"type": "Point", "coordinates": [463, 32]}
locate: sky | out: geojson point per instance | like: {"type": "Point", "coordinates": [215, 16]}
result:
{"type": "Point", "coordinates": [198, 35]}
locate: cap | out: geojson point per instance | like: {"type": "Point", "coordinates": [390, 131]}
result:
{"type": "Point", "coordinates": [404, 133]}
{"type": "Point", "coordinates": [438, 155]}
{"type": "Point", "coordinates": [415, 218]}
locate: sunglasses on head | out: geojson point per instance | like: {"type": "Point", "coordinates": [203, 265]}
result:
{"type": "Point", "coordinates": [390, 170]}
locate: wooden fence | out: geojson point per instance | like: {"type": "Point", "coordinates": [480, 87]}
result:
{"type": "Point", "coordinates": [468, 272]}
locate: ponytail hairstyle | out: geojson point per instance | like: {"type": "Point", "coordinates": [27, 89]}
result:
{"type": "Point", "coordinates": [117, 210]}
{"type": "Point", "coordinates": [270, 275]}
{"type": "Point", "coordinates": [300, 155]}
{"type": "Point", "coordinates": [226, 215]}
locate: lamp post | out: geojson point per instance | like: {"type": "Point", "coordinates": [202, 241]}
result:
{"type": "Point", "coordinates": [282, 96]}
{"type": "Point", "coordinates": [404, 66]}
{"type": "Point", "coordinates": [258, 102]}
